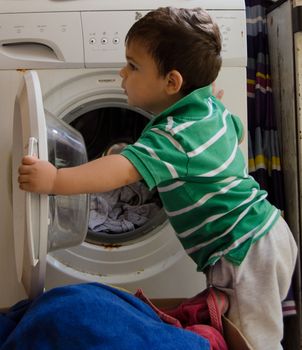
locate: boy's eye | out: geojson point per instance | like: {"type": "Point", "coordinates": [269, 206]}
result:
{"type": "Point", "coordinates": [131, 66]}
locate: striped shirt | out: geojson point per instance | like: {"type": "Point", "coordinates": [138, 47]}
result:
{"type": "Point", "coordinates": [190, 153]}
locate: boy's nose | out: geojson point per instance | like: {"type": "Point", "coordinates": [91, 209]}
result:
{"type": "Point", "coordinates": [123, 76]}
{"type": "Point", "coordinates": [122, 72]}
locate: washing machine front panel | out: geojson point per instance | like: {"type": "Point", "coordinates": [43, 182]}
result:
{"type": "Point", "coordinates": [154, 261]}
{"type": "Point", "coordinates": [154, 256]}
{"type": "Point", "coordinates": [151, 257]}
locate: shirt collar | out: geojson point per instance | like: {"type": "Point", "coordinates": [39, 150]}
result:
{"type": "Point", "coordinates": [190, 101]}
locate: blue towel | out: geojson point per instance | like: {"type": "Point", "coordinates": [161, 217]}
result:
{"type": "Point", "coordinates": [90, 316]}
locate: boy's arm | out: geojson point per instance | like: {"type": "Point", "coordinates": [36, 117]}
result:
{"type": "Point", "coordinates": [100, 175]}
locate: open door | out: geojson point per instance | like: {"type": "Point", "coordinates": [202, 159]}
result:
{"type": "Point", "coordinates": [43, 223]}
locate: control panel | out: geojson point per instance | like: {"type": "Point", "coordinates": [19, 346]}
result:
{"type": "Point", "coordinates": [41, 40]}
{"type": "Point", "coordinates": [93, 38]}
{"type": "Point", "coordinates": [104, 36]}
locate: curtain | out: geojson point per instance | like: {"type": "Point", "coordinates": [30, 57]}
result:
{"type": "Point", "coordinates": [263, 144]}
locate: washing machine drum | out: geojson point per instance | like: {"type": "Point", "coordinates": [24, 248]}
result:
{"type": "Point", "coordinates": [128, 212]}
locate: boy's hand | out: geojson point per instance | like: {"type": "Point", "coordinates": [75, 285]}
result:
{"type": "Point", "coordinates": [37, 175]}
{"type": "Point", "coordinates": [217, 93]}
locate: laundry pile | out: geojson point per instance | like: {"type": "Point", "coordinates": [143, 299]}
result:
{"type": "Point", "coordinates": [123, 209]}
{"type": "Point", "coordinates": [91, 316]}
{"type": "Point", "coordinates": [201, 314]}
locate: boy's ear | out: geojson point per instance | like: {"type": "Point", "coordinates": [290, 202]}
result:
{"type": "Point", "coordinates": [174, 82]}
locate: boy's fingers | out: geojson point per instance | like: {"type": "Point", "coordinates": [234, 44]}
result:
{"type": "Point", "coordinates": [22, 179]}
{"type": "Point", "coordinates": [220, 94]}
{"type": "Point", "coordinates": [28, 160]}
{"type": "Point", "coordinates": [25, 169]}
{"type": "Point", "coordinates": [24, 186]}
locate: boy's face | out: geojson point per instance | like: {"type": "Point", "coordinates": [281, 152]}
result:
{"type": "Point", "coordinates": [142, 83]}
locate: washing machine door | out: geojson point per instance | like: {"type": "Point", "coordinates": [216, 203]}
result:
{"type": "Point", "coordinates": [43, 223]}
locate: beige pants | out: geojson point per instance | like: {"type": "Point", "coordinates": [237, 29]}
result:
{"type": "Point", "coordinates": [257, 287]}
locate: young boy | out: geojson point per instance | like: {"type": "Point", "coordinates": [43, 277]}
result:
{"type": "Point", "coordinates": [190, 152]}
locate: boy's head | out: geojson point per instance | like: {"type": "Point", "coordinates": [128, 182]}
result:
{"type": "Point", "coordinates": [186, 40]}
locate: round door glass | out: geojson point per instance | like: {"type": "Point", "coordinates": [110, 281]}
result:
{"type": "Point", "coordinates": [68, 215]}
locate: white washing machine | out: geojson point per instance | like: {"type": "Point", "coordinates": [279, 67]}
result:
{"type": "Point", "coordinates": [77, 49]}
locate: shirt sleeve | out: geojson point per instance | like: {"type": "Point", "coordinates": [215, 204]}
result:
{"type": "Point", "coordinates": [156, 158]}
{"type": "Point", "coordinates": [238, 127]}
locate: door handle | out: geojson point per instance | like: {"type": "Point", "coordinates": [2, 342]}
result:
{"type": "Point", "coordinates": [32, 150]}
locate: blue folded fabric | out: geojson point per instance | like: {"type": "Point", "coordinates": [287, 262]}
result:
{"type": "Point", "coordinates": [90, 316]}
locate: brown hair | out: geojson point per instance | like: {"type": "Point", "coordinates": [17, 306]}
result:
{"type": "Point", "coordinates": [183, 39]}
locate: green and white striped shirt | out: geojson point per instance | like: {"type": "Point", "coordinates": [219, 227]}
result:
{"type": "Point", "coordinates": [190, 153]}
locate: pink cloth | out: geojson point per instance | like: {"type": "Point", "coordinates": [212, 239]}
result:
{"type": "Point", "coordinates": [200, 314]}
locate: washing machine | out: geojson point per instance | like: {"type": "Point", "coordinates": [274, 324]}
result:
{"type": "Point", "coordinates": [59, 81]}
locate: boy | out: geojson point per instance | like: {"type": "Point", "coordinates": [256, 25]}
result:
{"type": "Point", "coordinates": [190, 152]}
